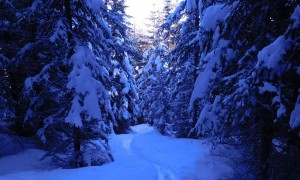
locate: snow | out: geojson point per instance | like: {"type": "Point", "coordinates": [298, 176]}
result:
{"type": "Point", "coordinates": [296, 17]}
{"type": "Point", "coordinates": [149, 64]}
{"type": "Point", "coordinates": [175, 16]}
{"type": "Point", "coordinates": [272, 55]}
{"type": "Point", "coordinates": [295, 115]}
{"type": "Point", "coordinates": [10, 144]}
{"type": "Point", "coordinates": [213, 15]}
{"type": "Point", "coordinates": [146, 53]}
{"type": "Point", "coordinates": [82, 80]}
{"type": "Point", "coordinates": [203, 80]}
{"type": "Point", "coordinates": [124, 80]}
{"type": "Point", "coordinates": [27, 47]}
{"type": "Point", "coordinates": [208, 119]}
{"type": "Point", "coordinates": [190, 6]}
{"type": "Point", "coordinates": [127, 63]}
{"type": "Point", "coordinates": [143, 154]}
{"type": "Point", "coordinates": [28, 160]}
{"type": "Point", "coordinates": [74, 113]}
{"type": "Point", "coordinates": [276, 99]}
{"type": "Point", "coordinates": [95, 5]}
{"type": "Point", "coordinates": [281, 111]}
{"type": "Point", "coordinates": [158, 64]}
{"type": "Point", "coordinates": [267, 87]}
{"type": "Point", "coordinates": [116, 72]}
{"type": "Point", "coordinates": [59, 31]}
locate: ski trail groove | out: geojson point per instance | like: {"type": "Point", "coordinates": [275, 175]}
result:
{"type": "Point", "coordinates": [163, 173]}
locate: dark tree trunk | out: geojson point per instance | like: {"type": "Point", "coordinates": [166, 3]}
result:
{"type": "Point", "coordinates": [263, 137]}
{"type": "Point", "coordinates": [76, 139]}
{"type": "Point", "coordinates": [68, 16]}
{"type": "Point", "coordinates": [267, 136]}
{"type": "Point", "coordinates": [196, 63]}
{"type": "Point", "coordinates": [77, 150]}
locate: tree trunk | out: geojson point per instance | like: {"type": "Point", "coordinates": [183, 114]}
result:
{"type": "Point", "coordinates": [267, 136]}
{"type": "Point", "coordinates": [68, 16]}
{"type": "Point", "coordinates": [196, 63]}
{"type": "Point", "coordinates": [263, 143]}
{"type": "Point", "coordinates": [78, 158]}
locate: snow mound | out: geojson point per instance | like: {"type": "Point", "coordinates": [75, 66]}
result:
{"type": "Point", "coordinates": [28, 160]}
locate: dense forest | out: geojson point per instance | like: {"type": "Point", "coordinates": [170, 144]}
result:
{"type": "Point", "coordinates": [72, 72]}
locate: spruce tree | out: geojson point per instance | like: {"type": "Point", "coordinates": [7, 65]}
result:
{"type": "Point", "coordinates": [153, 88]}
{"type": "Point", "coordinates": [69, 99]}
{"type": "Point", "coordinates": [183, 61]}
{"type": "Point", "coordinates": [124, 90]}
{"type": "Point", "coordinates": [245, 84]}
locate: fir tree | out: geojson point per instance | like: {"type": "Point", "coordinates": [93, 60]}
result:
{"type": "Point", "coordinates": [183, 60]}
{"type": "Point", "coordinates": [153, 92]}
{"type": "Point", "coordinates": [124, 90]}
{"type": "Point", "coordinates": [243, 86]}
{"type": "Point", "coordinates": [69, 98]}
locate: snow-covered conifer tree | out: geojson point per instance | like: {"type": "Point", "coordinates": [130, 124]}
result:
{"type": "Point", "coordinates": [69, 100]}
{"type": "Point", "coordinates": [183, 60]}
{"type": "Point", "coordinates": [13, 36]}
{"type": "Point", "coordinates": [7, 110]}
{"type": "Point", "coordinates": [153, 87]}
{"type": "Point", "coordinates": [245, 84]}
{"type": "Point", "coordinates": [7, 49]}
{"type": "Point", "coordinates": [124, 89]}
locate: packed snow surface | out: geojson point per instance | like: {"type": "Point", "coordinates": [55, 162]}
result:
{"type": "Point", "coordinates": [143, 154]}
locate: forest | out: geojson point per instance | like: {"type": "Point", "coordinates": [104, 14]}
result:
{"type": "Point", "coordinates": [75, 73]}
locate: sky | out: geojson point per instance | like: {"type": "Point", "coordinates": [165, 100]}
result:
{"type": "Point", "coordinates": [140, 11]}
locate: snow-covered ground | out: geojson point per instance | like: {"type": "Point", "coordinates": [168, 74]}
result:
{"type": "Point", "coordinates": [141, 155]}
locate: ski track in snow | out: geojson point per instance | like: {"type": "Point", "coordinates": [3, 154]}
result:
{"type": "Point", "coordinates": [163, 173]}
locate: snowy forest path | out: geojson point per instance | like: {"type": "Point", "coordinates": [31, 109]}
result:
{"type": "Point", "coordinates": [129, 142]}
{"type": "Point", "coordinates": [173, 158]}
{"type": "Point", "coordinates": [142, 154]}
{"type": "Point", "coordinates": [163, 172]}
